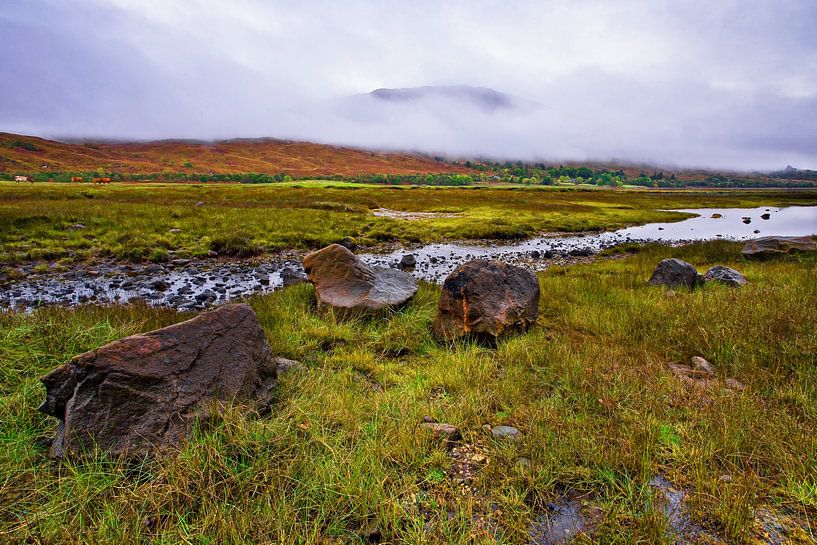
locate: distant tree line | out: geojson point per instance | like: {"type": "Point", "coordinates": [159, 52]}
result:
{"type": "Point", "coordinates": [445, 179]}
{"type": "Point", "coordinates": [507, 172]}
{"type": "Point", "coordinates": [790, 173]}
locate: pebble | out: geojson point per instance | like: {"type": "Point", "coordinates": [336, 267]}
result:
{"type": "Point", "coordinates": [506, 432]}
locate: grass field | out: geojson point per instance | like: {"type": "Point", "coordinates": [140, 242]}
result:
{"type": "Point", "coordinates": [589, 387]}
{"type": "Point", "coordinates": [138, 222]}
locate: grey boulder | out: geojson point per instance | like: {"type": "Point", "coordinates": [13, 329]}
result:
{"type": "Point", "coordinates": [765, 247]}
{"type": "Point", "coordinates": [348, 285]}
{"type": "Point", "coordinates": [675, 273]}
{"type": "Point", "coordinates": [725, 275]}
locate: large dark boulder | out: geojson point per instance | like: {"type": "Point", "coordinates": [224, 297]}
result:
{"type": "Point", "coordinates": [486, 299]}
{"type": "Point", "coordinates": [145, 392]}
{"type": "Point", "coordinates": [766, 247]}
{"type": "Point", "coordinates": [725, 275]}
{"type": "Point", "coordinates": [348, 285]}
{"type": "Point", "coordinates": [675, 273]}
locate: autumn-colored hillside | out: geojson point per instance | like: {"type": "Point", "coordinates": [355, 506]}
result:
{"type": "Point", "coordinates": [29, 155]}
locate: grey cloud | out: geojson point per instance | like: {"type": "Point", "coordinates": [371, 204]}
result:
{"type": "Point", "coordinates": [728, 84]}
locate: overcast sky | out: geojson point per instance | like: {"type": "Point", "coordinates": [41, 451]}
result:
{"type": "Point", "coordinates": [728, 84]}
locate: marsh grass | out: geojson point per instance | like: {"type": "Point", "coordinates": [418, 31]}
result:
{"type": "Point", "coordinates": [134, 222]}
{"type": "Point", "coordinates": [341, 449]}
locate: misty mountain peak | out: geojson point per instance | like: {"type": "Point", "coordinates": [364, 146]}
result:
{"type": "Point", "coordinates": [483, 98]}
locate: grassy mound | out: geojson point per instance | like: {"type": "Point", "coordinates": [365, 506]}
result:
{"type": "Point", "coordinates": [341, 452]}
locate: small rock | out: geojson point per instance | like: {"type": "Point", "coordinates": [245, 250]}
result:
{"type": "Point", "coordinates": [408, 262]}
{"type": "Point", "coordinates": [765, 216]}
{"type": "Point", "coordinates": [199, 203]}
{"type": "Point", "coordinates": [535, 254]}
{"type": "Point", "coordinates": [159, 285]}
{"type": "Point", "coordinates": [700, 364]}
{"type": "Point", "coordinates": [76, 227]}
{"type": "Point", "coordinates": [446, 431]}
{"type": "Point", "coordinates": [479, 458]}
{"type": "Point", "coordinates": [284, 365]}
{"type": "Point", "coordinates": [212, 254]}
{"type": "Point", "coordinates": [291, 276]}
{"type": "Point", "coordinates": [506, 432]}
{"type": "Point", "coordinates": [429, 420]}
{"type": "Point", "coordinates": [747, 221]}
{"type": "Point", "coordinates": [175, 231]}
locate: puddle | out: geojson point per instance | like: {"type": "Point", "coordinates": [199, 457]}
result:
{"type": "Point", "coordinates": [412, 216]}
{"type": "Point", "coordinates": [670, 501]}
{"type": "Point", "coordinates": [198, 284]}
{"type": "Point", "coordinates": [775, 527]}
{"type": "Point", "coordinates": [560, 525]}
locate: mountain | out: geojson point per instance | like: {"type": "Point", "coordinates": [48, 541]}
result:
{"type": "Point", "coordinates": [482, 98]}
{"type": "Point", "coordinates": [459, 97]}
{"type": "Point", "coordinates": [28, 155]}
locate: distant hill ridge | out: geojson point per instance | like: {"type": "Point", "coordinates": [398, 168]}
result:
{"type": "Point", "coordinates": [29, 154]}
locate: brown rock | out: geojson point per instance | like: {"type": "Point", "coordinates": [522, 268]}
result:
{"type": "Point", "coordinates": [446, 431]}
{"type": "Point", "coordinates": [764, 247]}
{"type": "Point", "coordinates": [347, 284]}
{"type": "Point", "coordinates": [145, 392]}
{"type": "Point", "coordinates": [486, 299]}
{"type": "Point", "coordinates": [700, 364]}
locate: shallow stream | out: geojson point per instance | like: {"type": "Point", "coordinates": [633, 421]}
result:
{"type": "Point", "coordinates": [188, 285]}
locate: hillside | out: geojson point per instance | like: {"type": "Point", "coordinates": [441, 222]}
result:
{"type": "Point", "coordinates": [28, 155]}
